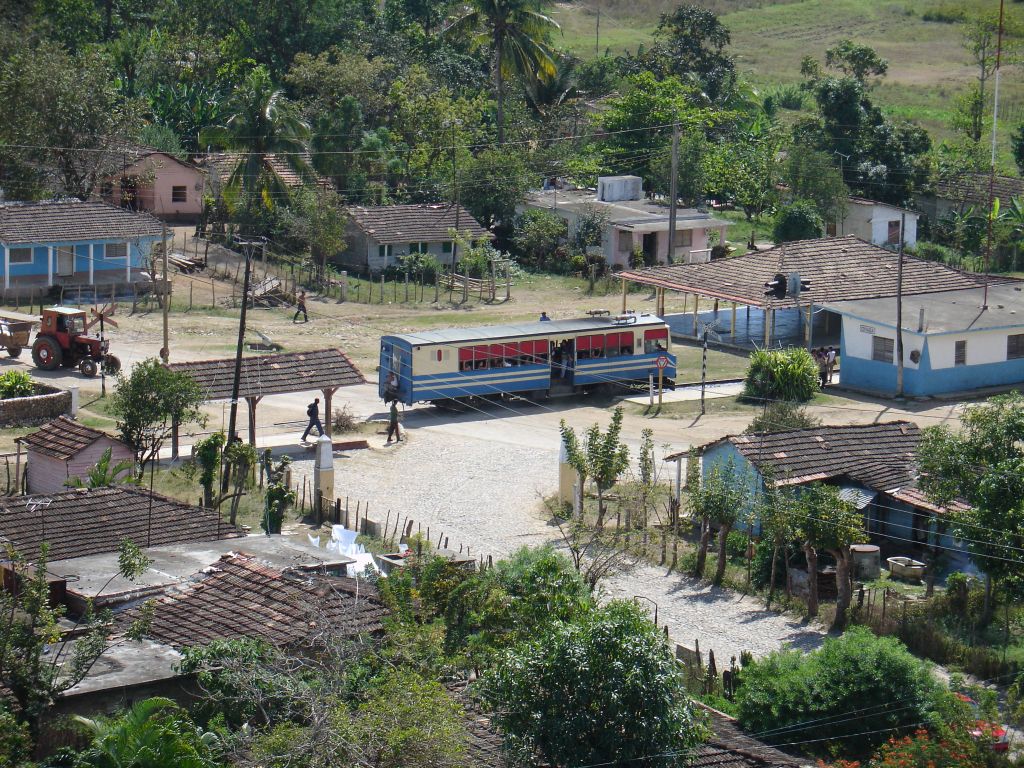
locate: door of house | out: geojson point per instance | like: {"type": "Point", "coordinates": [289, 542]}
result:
{"type": "Point", "coordinates": [65, 262]}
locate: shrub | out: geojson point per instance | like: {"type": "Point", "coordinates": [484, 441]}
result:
{"type": "Point", "coordinates": [790, 97]}
{"type": "Point", "coordinates": [343, 420]}
{"type": "Point", "coordinates": [761, 566]}
{"type": "Point", "coordinates": [935, 252]}
{"type": "Point", "coordinates": [799, 220]}
{"type": "Point", "coordinates": [854, 690]}
{"type": "Point", "coordinates": [782, 417]}
{"type": "Point", "coordinates": [781, 374]}
{"type": "Point", "coordinates": [16, 384]}
{"type": "Point", "coordinates": [736, 544]}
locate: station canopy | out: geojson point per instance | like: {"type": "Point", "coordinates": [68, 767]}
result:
{"type": "Point", "coordinates": [277, 374]}
{"type": "Point", "coordinates": [839, 269]}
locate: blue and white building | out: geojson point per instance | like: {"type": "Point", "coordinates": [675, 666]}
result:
{"type": "Point", "coordinates": [73, 243]}
{"type": "Point", "coordinates": [953, 341]}
{"type": "Point", "coordinates": [873, 465]}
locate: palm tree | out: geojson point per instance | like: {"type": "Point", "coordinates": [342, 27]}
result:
{"type": "Point", "coordinates": [259, 122]}
{"type": "Point", "coordinates": [104, 473]}
{"type": "Point", "coordinates": [154, 733]}
{"type": "Point", "coordinates": [1014, 216]}
{"type": "Point", "coordinates": [516, 32]}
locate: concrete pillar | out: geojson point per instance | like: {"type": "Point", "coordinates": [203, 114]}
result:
{"type": "Point", "coordinates": [732, 323]}
{"type": "Point", "coordinates": [252, 402]}
{"type": "Point", "coordinates": [49, 265]}
{"type": "Point", "coordinates": [328, 410]}
{"type": "Point", "coordinates": [809, 330]}
{"type": "Point", "coordinates": [767, 327]}
{"type": "Point", "coordinates": [696, 306]}
{"type": "Point", "coordinates": [74, 401]}
{"type": "Point", "coordinates": [7, 267]}
{"type": "Point", "coordinates": [323, 474]}
{"type": "Point", "coordinates": [623, 297]}
{"type": "Point", "coordinates": [567, 478]}
{"type": "Point", "coordinates": [92, 262]}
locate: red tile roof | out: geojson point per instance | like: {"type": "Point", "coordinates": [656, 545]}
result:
{"type": "Point", "coordinates": [879, 456]}
{"type": "Point", "coordinates": [415, 223]}
{"type": "Point", "coordinates": [92, 521]}
{"type": "Point", "coordinates": [839, 268]}
{"type": "Point", "coordinates": [63, 438]}
{"type": "Point", "coordinates": [66, 221]}
{"type": "Point", "coordinates": [264, 375]}
{"type": "Point", "coordinates": [240, 597]}
{"type": "Point", "coordinates": [972, 189]}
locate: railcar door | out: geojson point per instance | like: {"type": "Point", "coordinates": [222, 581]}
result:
{"type": "Point", "coordinates": [395, 373]}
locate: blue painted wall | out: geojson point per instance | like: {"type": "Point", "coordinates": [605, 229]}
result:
{"type": "Point", "coordinates": [719, 456]}
{"type": "Point", "coordinates": [138, 252]}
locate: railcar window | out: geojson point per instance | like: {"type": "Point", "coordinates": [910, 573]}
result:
{"type": "Point", "coordinates": [655, 340]}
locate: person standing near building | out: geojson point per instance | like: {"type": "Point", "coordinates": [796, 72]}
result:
{"type": "Point", "coordinates": [544, 317]}
{"type": "Point", "coordinates": [393, 428]}
{"type": "Point", "coordinates": [830, 359]}
{"type": "Point", "coordinates": [313, 411]}
{"type": "Point", "coordinates": [300, 307]}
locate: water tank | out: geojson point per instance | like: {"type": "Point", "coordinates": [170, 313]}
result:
{"type": "Point", "coordinates": [612, 189]}
{"type": "Point", "coordinates": [867, 561]}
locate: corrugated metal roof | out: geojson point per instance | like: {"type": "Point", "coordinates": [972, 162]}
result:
{"type": "Point", "coordinates": [547, 328]}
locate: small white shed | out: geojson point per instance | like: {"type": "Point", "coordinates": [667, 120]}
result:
{"type": "Point", "coordinates": [63, 449]}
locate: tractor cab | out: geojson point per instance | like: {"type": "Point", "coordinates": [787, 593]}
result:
{"type": "Point", "coordinates": [64, 340]}
{"type": "Point", "coordinates": [63, 321]}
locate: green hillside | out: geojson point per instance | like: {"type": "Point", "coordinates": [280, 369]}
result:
{"type": "Point", "coordinates": [927, 66]}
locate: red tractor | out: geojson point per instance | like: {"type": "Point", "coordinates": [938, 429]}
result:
{"type": "Point", "coordinates": [63, 339]}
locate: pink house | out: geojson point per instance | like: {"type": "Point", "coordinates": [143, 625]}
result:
{"type": "Point", "coordinates": [157, 183]}
{"type": "Point", "coordinates": [63, 449]}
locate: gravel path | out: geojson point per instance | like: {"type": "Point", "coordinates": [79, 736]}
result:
{"type": "Point", "coordinates": [486, 494]}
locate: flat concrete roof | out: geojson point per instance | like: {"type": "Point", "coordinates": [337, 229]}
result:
{"type": "Point", "coordinates": [173, 564]}
{"type": "Point", "coordinates": [642, 215]}
{"type": "Point", "coordinates": [945, 311]}
{"type": "Point", "coordinates": [127, 663]}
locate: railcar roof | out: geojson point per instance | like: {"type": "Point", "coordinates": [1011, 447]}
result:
{"type": "Point", "coordinates": [547, 328]}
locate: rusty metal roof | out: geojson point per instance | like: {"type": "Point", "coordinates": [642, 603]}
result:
{"type": "Point", "coordinates": [63, 438]}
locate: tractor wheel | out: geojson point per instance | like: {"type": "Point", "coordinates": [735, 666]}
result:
{"type": "Point", "coordinates": [46, 354]}
{"type": "Point", "coordinates": [14, 351]}
{"type": "Point", "coordinates": [111, 365]}
{"type": "Point", "coordinates": [88, 368]}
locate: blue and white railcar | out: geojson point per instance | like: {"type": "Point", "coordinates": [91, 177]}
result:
{"type": "Point", "coordinates": [528, 359]}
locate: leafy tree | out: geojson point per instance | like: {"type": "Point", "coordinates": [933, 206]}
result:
{"type": "Point", "coordinates": [240, 458]}
{"type": "Point", "coordinates": [842, 699]}
{"type": "Point", "coordinates": [65, 115]}
{"type": "Point", "coordinates": [600, 457]}
{"type": "Point", "coordinates": [495, 182]}
{"type": "Point", "coordinates": [515, 34]}
{"type": "Point", "coordinates": [856, 60]}
{"type": "Point", "coordinates": [103, 474]}
{"type": "Point", "coordinates": [259, 122]}
{"type": "Point", "coordinates": [207, 453]}
{"type": "Point", "coordinates": [779, 511]}
{"type": "Point", "coordinates": [691, 42]}
{"type": "Point", "coordinates": [38, 660]}
{"type": "Point", "coordinates": [790, 375]}
{"type": "Point", "coordinates": [982, 464]}
{"type": "Point", "coordinates": [602, 690]}
{"type": "Point", "coordinates": [589, 229]}
{"type": "Point", "coordinates": [811, 175]}
{"type": "Point", "coordinates": [1017, 144]}
{"type": "Point", "coordinates": [153, 733]}
{"type": "Point", "coordinates": [536, 238]}
{"type": "Point", "coordinates": [799, 220]}
{"type": "Point", "coordinates": [979, 41]}
{"type": "Point", "coordinates": [513, 601]}
{"type": "Point", "coordinates": [315, 217]}
{"type": "Point", "coordinates": [831, 524]}
{"type": "Point", "coordinates": [955, 748]}
{"type": "Point", "coordinates": [721, 498]}
{"type": "Point", "coordinates": [147, 404]}
{"type": "Point", "coordinates": [15, 742]}
{"type": "Point", "coordinates": [410, 722]}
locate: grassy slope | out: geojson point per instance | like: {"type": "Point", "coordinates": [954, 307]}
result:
{"type": "Point", "coordinates": [927, 65]}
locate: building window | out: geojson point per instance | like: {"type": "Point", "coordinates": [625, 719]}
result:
{"type": "Point", "coordinates": [115, 251]}
{"type": "Point", "coordinates": [625, 241]}
{"type": "Point", "coordinates": [893, 233]}
{"type": "Point", "coordinates": [19, 255]}
{"type": "Point", "coordinates": [831, 229]}
{"type": "Point", "coordinates": [179, 195]}
{"type": "Point", "coordinates": [419, 247]}
{"type": "Point", "coordinates": [960, 353]}
{"type": "Point", "coordinates": [384, 252]}
{"type": "Point", "coordinates": [882, 349]}
{"type": "Point", "coordinates": [1015, 346]}
{"type": "Point", "coordinates": [684, 238]}
{"type": "Point", "coordinates": [446, 247]}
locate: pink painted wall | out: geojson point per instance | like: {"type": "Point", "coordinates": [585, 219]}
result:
{"type": "Point", "coordinates": [45, 474]}
{"type": "Point", "coordinates": [158, 175]}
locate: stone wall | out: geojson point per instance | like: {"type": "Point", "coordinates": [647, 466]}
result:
{"type": "Point", "coordinates": [48, 403]}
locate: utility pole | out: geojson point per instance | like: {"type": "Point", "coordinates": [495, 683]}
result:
{"type": "Point", "coordinates": [165, 353]}
{"type": "Point", "coordinates": [992, 167]}
{"type": "Point", "coordinates": [236, 381]}
{"type": "Point", "coordinates": [704, 368]}
{"type": "Point", "coordinates": [455, 195]}
{"type": "Point", "coordinates": [673, 193]}
{"type": "Point", "coordinates": [899, 311]}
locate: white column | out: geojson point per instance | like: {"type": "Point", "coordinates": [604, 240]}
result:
{"type": "Point", "coordinates": [49, 265]}
{"type": "Point", "coordinates": [7, 268]}
{"type": "Point", "coordinates": [128, 260]}
{"type": "Point", "coordinates": [92, 261]}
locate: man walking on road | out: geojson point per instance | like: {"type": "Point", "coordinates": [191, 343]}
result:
{"type": "Point", "coordinates": [393, 423]}
{"type": "Point", "coordinates": [301, 307]}
{"type": "Point", "coordinates": [313, 411]}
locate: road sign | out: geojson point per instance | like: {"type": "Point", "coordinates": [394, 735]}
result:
{"type": "Point", "coordinates": [662, 362]}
